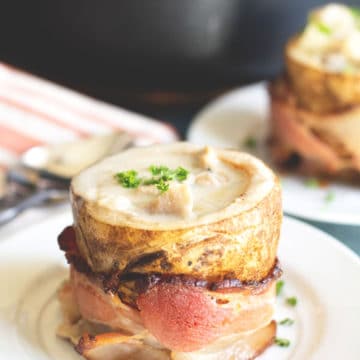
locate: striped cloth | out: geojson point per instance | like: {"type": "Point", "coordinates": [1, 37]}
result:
{"type": "Point", "coordinates": [36, 112]}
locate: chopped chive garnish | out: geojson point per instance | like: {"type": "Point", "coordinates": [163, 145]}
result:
{"type": "Point", "coordinates": [324, 29]}
{"type": "Point", "coordinates": [161, 175]}
{"type": "Point", "coordinates": [162, 186]}
{"type": "Point", "coordinates": [292, 301]}
{"type": "Point", "coordinates": [151, 181]}
{"type": "Point", "coordinates": [286, 321]}
{"type": "Point", "coordinates": [181, 174]}
{"type": "Point", "coordinates": [330, 196]}
{"type": "Point", "coordinates": [312, 183]}
{"type": "Point", "coordinates": [250, 142]}
{"type": "Point", "coordinates": [282, 342]}
{"type": "Point", "coordinates": [167, 174]}
{"type": "Point", "coordinates": [128, 179]}
{"type": "Point", "coordinates": [279, 286]}
{"type": "Point", "coordinates": [158, 170]}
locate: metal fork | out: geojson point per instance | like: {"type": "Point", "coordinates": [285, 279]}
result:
{"type": "Point", "coordinates": [29, 184]}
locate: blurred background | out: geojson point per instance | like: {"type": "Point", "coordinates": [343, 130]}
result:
{"type": "Point", "coordinates": [164, 58]}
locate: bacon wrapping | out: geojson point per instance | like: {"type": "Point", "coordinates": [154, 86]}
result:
{"type": "Point", "coordinates": [313, 144]}
{"type": "Point", "coordinates": [170, 313]}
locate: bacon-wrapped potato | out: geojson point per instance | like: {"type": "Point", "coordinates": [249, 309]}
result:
{"type": "Point", "coordinates": [323, 61]}
{"type": "Point", "coordinates": [172, 253]}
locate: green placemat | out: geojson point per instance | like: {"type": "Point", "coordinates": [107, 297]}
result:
{"type": "Point", "coordinates": [348, 235]}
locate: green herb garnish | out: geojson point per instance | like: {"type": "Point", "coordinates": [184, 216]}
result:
{"type": "Point", "coordinates": [282, 342]}
{"type": "Point", "coordinates": [330, 196]}
{"type": "Point", "coordinates": [286, 321]}
{"type": "Point", "coordinates": [312, 183]}
{"type": "Point", "coordinates": [161, 175]}
{"type": "Point", "coordinates": [324, 29]}
{"type": "Point", "coordinates": [128, 179]}
{"type": "Point", "coordinates": [150, 181]}
{"type": "Point", "coordinates": [181, 174]}
{"type": "Point", "coordinates": [292, 301]}
{"type": "Point", "coordinates": [159, 170]}
{"type": "Point", "coordinates": [162, 186]}
{"type": "Point", "coordinates": [166, 174]}
{"type": "Point", "coordinates": [250, 142]}
{"type": "Point", "coordinates": [279, 286]}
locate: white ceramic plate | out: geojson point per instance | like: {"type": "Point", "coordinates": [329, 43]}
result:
{"type": "Point", "coordinates": [321, 272]}
{"type": "Point", "coordinates": [243, 113]}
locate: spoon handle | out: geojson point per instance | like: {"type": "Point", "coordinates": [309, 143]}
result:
{"type": "Point", "coordinates": [11, 206]}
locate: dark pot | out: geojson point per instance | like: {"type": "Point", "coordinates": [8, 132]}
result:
{"type": "Point", "coordinates": [141, 45]}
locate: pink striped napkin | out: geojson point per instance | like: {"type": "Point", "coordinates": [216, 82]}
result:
{"type": "Point", "coordinates": [34, 111]}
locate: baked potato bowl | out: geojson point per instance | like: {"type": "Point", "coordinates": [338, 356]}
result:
{"type": "Point", "coordinates": [240, 247]}
{"type": "Point", "coordinates": [235, 240]}
{"type": "Point", "coordinates": [318, 89]}
{"type": "Point", "coordinates": [323, 61]}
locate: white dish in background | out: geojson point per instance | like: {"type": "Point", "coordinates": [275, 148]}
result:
{"type": "Point", "coordinates": [318, 270]}
{"type": "Point", "coordinates": [243, 113]}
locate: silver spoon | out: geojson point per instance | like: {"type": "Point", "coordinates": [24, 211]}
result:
{"type": "Point", "coordinates": [43, 174]}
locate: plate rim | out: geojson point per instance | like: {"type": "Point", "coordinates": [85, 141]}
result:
{"type": "Point", "coordinates": [341, 249]}
{"type": "Point", "coordinates": [331, 218]}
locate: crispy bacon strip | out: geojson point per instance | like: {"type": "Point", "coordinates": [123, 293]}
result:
{"type": "Point", "coordinates": [327, 142]}
{"type": "Point", "coordinates": [185, 318]}
{"type": "Point", "coordinates": [98, 343]}
{"type": "Point", "coordinates": [117, 346]}
{"type": "Point", "coordinates": [68, 304]}
{"type": "Point", "coordinates": [67, 243]}
{"type": "Point", "coordinates": [183, 315]}
{"type": "Point", "coordinates": [300, 138]}
{"type": "Point", "coordinates": [238, 347]}
{"type": "Point", "coordinates": [97, 306]}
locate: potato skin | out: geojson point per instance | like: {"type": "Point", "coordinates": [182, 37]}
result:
{"type": "Point", "coordinates": [318, 90]}
{"type": "Point", "coordinates": [243, 246]}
